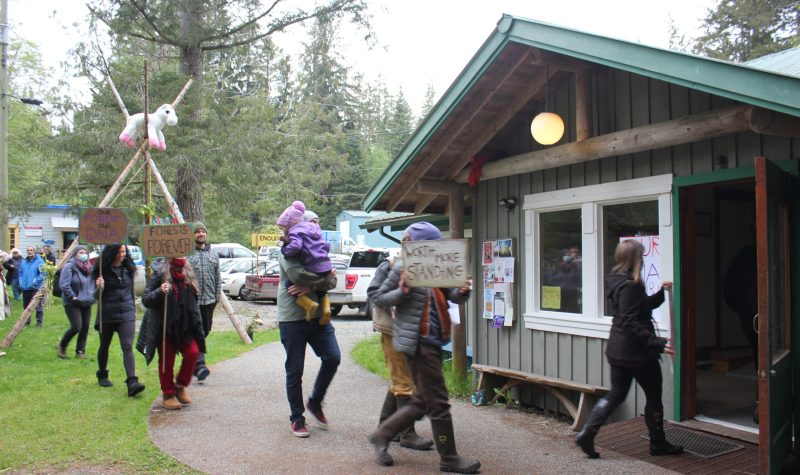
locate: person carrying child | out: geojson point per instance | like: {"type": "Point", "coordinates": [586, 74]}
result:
{"type": "Point", "coordinates": [303, 240]}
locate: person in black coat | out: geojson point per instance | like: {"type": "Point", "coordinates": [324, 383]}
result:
{"type": "Point", "coordinates": [633, 350]}
{"type": "Point", "coordinates": [116, 312]}
{"type": "Point", "coordinates": [174, 281]}
{"type": "Point", "coordinates": [12, 276]}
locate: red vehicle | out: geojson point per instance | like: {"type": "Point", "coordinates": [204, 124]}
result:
{"type": "Point", "coordinates": [262, 285]}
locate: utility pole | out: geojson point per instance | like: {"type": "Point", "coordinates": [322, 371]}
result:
{"type": "Point", "coordinates": [4, 125]}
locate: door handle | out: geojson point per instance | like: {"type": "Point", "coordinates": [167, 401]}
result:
{"type": "Point", "coordinates": [773, 373]}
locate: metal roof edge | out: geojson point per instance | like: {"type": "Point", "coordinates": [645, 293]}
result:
{"type": "Point", "coordinates": [735, 81]}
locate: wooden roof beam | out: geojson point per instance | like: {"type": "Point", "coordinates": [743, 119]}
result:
{"type": "Point", "coordinates": [518, 102]}
{"type": "Point", "coordinates": [680, 131]}
{"type": "Point", "coordinates": [422, 168]}
{"type": "Point", "coordinates": [440, 187]}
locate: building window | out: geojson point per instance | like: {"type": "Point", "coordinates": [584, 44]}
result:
{"type": "Point", "coordinates": [13, 237]}
{"type": "Point", "coordinates": [569, 247]}
{"type": "Point", "coordinates": [560, 263]}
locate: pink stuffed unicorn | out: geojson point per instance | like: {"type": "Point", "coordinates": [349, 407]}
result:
{"type": "Point", "coordinates": [134, 128]}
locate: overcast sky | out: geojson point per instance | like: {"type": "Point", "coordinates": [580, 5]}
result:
{"type": "Point", "coordinates": [419, 41]}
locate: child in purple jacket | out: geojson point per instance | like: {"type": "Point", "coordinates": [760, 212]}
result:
{"type": "Point", "coordinates": [303, 240]}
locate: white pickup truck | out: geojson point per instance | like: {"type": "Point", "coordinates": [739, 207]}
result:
{"type": "Point", "coordinates": [351, 286]}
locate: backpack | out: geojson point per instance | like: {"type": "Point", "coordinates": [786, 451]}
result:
{"type": "Point", "coordinates": [381, 318]}
{"type": "Point", "coordinates": [56, 284]}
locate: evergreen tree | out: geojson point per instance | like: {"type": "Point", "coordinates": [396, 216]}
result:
{"type": "Point", "coordinates": [740, 30]}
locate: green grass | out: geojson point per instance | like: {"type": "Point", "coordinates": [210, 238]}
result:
{"type": "Point", "coordinates": [56, 417]}
{"type": "Point", "coordinates": [369, 354]}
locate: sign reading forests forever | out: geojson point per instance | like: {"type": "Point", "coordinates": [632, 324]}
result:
{"type": "Point", "coordinates": [440, 263]}
{"type": "Point", "coordinates": [102, 226]}
{"type": "Point", "coordinates": [167, 240]}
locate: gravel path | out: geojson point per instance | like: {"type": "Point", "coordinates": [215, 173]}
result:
{"type": "Point", "coordinates": [239, 422]}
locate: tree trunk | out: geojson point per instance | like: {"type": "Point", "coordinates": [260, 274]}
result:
{"type": "Point", "coordinates": [188, 178]}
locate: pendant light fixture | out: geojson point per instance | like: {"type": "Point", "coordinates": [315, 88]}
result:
{"type": "Point", "coordinates": [547, 128]}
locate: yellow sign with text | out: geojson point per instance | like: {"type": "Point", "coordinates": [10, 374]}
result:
{"type": "Point", "coordinates": [258, 240]}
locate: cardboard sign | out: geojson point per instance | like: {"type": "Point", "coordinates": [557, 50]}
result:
{"type": "Point", "coordinates": [258, 240]}
{"type": "Point", "coordinates": [167, 240]}
{"type": "Point", "coordinates": [102, 226]}
{"type": "Point", "coordinates": [440, 263]}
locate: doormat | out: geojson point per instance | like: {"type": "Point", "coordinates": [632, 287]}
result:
{"type": "Point", "coordinates": [699, 444]}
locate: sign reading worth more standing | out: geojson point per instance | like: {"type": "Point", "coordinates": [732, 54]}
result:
{"type": "Point", "coordinates": [167, 240]}
{"type": "Point", "coordinates": [440, 263]}
{"type": "Point", "coordinates": [102, 226]}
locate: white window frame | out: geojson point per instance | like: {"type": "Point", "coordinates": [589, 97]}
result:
{"type": "Point", "coordinates": [590, 199]}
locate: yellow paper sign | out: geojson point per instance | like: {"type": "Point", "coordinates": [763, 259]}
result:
{"type": "Point", "coordinates": [551, 297]}
{"type": "Point", "coordinates": [258, 240]}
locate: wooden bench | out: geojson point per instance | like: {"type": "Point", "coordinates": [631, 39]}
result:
{"type": "Point", "coordinates": [589, 392]}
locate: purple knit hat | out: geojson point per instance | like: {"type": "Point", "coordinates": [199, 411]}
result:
{"type": "Point", "coordinates": [292, 215]}
{"type": "Point", "coordinates": [423, 231]}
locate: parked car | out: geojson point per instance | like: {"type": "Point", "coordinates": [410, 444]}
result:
{"type": "Point", "coordinates": [269, 253]}
{"type": "Point", "coordinates": [231, 250]}
{"type": "Point", "coordinates": [351, 285]}
{"type": "Point", "coordinates": [233, 273]}
{"type": "Point", "coordinates": [264, 284]}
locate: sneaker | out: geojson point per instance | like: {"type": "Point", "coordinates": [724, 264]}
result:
{"type": "Point", "coordinates": [322, 421]}
{"type": "Point", "coordinates": [80, 355]}
{"type": "Point", "coordinates": [61, 352]}
{"type": "Point", "coordinates": [299, 429]}
{"type": "Point", "coordinates": [202, 374]}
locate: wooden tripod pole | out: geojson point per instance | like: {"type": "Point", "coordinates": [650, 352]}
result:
{"type": "Point", "coordinates": [173, 206]}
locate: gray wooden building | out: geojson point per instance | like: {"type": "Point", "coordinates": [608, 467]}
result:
{"type": "Point", "coordinates": [697, 157]}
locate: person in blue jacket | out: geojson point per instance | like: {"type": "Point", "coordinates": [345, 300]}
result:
{"type": "Point", "coordinates": [77, 293]}
{"type": "Point", "coordinates": [31, 277]}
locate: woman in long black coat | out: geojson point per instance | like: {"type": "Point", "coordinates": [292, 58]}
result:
{"type": "Point", "coordinates": [174, 281]}
{"type": "Point", "coordinates": [633, 350]}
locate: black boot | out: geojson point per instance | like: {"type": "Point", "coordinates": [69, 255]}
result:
{"type": "Point", "coordinates": [450, 461]}
{"type": "Point", "coordinates": [389, 406]}
{"type": "Point", "coordinates": [102, 379]}
{"type": "Point", "coordinates": [654, 419]}
{"type": "Point", "coordinates": [585, 438]}
{"type": "Point", "coordinates": [409, 437]}
{"type": "Point", "coordinates": [134, 386]}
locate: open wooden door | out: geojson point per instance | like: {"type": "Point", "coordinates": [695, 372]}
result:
{"type": "Point", "coordinates": [774, 310]}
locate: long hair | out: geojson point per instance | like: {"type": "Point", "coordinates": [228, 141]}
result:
{"type": "Point", "coordinates": [107, 258]}
{"type": "Point", "coordinates": [188, 273]}
{"type": "Point", "coordinates": [628, 257]}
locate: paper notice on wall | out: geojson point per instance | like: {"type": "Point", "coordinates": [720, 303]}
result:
{"type": "Point", "coordinates": [551, 297]}
{"type": "Point", "coordinates": [504, 269]}
{"type": "Point", "coordinates": [488, 302]}
{"type": "Point", "coordinates": [499, 308]}
{"type": "Point", "coordinates": [508, 302]}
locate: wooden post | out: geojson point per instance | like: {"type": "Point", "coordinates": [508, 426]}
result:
{"type": "Point", "coordinates": [583, 106]}
{"type": "Point", "coordinates": [459, 334]}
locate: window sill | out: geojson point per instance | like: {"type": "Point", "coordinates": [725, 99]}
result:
{"type": "Point", "coordinates": [574, 324]}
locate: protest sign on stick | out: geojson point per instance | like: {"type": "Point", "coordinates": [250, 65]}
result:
{"type": "Point", "coordinates": [167, 240]}
{"type": "Point", "coordinates": [440, 263]}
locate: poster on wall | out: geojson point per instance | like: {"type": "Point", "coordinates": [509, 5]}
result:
{"type": "Point", "coordinates": [498, 279]}
{"type": "Point", "coordinates": [488, 301]}
{"type": "Point", "coordinates": [651, 265]}
{"type": "Point", "coordinates": [33, 231]}
{"type": "Point", "coordinates": [488, 252]}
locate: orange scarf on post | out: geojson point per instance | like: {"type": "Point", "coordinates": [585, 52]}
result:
{"type": "Point", "coordinates": [441, 309]}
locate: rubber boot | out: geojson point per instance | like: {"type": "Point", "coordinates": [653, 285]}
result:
{"type": "Point", "coordinates": [450, 461]}
{"type": "Point", "coordinates": [102, 379]}
{"type": "Point", "coordinates": [326, 310]}
{"type": "Point", "coordinates": [134, 386]}
{"type": "Point", "coordinates": [409, 437]}
{"type": "Point", "coordinates": [585, 438]}
{"type": "Point", "coordinates": [183, 395]}
{"type": "Point", "coordinates": [383, 435]}
{"type": "Point", "coordinates": [308, 305]}
{"type": "Point", "coordinates": [654, 419]}
{"type": "Point", "coordinates": [389, 406]}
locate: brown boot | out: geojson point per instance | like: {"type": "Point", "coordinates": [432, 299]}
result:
{"type": "Point", "coordinates": [308, 305]}
{"type": "Point", "coordinates": [326, 310]}
{"type": "Point", "coordinates": [183, 395]}
{"type": "Point", "coordinates": [450, 461]}
{"type": "Point", "coordinates": [170, 403]}
{"type": "Point", "coordinates": [409, 437]}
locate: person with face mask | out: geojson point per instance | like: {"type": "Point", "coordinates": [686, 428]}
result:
{"type": "Point", "coordinates": [77, 293]}
{"type": "Point", "coordinates": [12, 276]}
{"type": "Point", "coordinates": [176, 283]}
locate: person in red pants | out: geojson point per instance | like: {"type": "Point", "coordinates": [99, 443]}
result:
{"type": "Point", "coordinates": [176, 283]}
